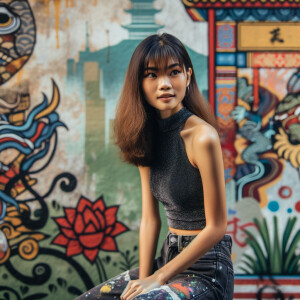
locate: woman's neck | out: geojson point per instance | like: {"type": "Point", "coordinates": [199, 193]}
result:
{"type": "Point", "coordinates": [164, 114]}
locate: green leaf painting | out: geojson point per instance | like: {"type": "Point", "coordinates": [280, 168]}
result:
{"type": "Point", "coordinates": [276, 256]}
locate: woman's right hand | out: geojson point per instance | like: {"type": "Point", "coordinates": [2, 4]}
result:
{"type": "Point", "coordinates": [140, 286]}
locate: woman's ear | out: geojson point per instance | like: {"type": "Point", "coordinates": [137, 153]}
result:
{"type": "Point", "coordinates": [189, 76]}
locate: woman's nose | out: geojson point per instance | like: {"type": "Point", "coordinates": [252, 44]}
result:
{"type": "Point", "coordinates": [164, 83]}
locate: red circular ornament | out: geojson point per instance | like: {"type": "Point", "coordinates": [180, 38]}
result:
{"type": "Point", "coordinates": [285, 192]}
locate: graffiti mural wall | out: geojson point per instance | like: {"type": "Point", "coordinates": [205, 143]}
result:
{"type": "Point", "coordinates": [70, 208]}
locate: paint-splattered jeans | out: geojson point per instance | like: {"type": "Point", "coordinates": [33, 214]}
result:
{"type": "Point", "coordinates": [211, 277]}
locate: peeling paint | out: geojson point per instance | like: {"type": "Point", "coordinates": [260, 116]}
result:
{"type": "Point", "coordinates": [57, 4]}
{"type": "Point", "coordinates": [46, 7]}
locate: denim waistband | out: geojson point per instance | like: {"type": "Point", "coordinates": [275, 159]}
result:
{"type": "Point", "coordinates": [226, 240]}
{"type": "Point", "coordinates": [184, 240]}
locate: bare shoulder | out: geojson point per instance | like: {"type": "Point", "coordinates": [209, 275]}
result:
{"type": "Point", "coordinates": [200, 139]}
{"type": "Point", "coordinates": [199, 132]}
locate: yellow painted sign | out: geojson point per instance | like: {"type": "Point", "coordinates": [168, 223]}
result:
{"type": "Point", "coordinates": [268, 36]}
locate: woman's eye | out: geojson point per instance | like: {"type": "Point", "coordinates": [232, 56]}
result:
{"type": "Point", "coordinates": [175, 72]}
{"type": "Point", "coordinates": [150, 75]}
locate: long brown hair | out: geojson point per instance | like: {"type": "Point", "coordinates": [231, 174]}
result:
{"type": "Point", "coordinates": [134, 124]}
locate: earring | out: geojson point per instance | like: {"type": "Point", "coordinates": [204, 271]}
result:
{"type": "Point", "coordinates": [188, 88]}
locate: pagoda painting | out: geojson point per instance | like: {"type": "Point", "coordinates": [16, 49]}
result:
{"type": "Point", "coordinates": [113, 60]}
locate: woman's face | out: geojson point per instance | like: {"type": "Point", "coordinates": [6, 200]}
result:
{"type": "Point", "coordinates": [165, 87]}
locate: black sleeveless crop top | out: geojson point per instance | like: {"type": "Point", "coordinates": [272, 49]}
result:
{"type": "Point", "coordinates": [173, 180]}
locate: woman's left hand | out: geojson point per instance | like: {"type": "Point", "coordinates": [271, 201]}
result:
{"type": "Point", "coordinates": [140, 286]}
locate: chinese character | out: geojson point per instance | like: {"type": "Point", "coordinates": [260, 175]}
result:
{"type": "Point", "coordinates": [275, 37]}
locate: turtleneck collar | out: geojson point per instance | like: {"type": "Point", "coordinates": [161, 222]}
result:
{"type": "Point", "coordinates": [174, 121]}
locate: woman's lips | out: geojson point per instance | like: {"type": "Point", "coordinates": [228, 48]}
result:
{"type": "Point", "coordinates": [165, 98]}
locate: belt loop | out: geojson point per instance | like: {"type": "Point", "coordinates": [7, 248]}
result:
{"type": "Point", "coordinates": [179, 243]}
{"type": "Point", "coordinates": [172, 239]}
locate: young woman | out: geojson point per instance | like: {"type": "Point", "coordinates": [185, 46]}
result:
{"type": "Point", "coordinates": [165, 127]}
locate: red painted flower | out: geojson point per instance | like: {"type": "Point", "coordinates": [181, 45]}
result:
{"type": "Point", "coordinates": [88, 228]}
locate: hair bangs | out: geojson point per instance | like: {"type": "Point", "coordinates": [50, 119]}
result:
{"type": "Point", "coordinates": [159, 56]}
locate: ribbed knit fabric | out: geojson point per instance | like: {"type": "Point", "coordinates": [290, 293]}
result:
{"type": "Point", "coordinates": [173, 180]}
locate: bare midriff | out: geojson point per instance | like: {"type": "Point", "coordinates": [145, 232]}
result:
{"type": "Point", "coordinates": [184, 232]}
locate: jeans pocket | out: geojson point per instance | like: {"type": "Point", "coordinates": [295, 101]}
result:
{"type": "Point", "coordinates": [228, 294]}
{"type": "Point", "coordinates": [224, 279]}
{"type": "Point", "coordinates": [206, 267]}
{"type": "Point", "coordinates": [226, 259]}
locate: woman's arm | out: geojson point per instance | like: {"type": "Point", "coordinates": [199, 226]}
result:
{"type": "Point", "coordinates": [150, 225]}
{"type": "Point", "coordinates": [149, 232]}
{"type": "Point", "coordinates": [207, 155]}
